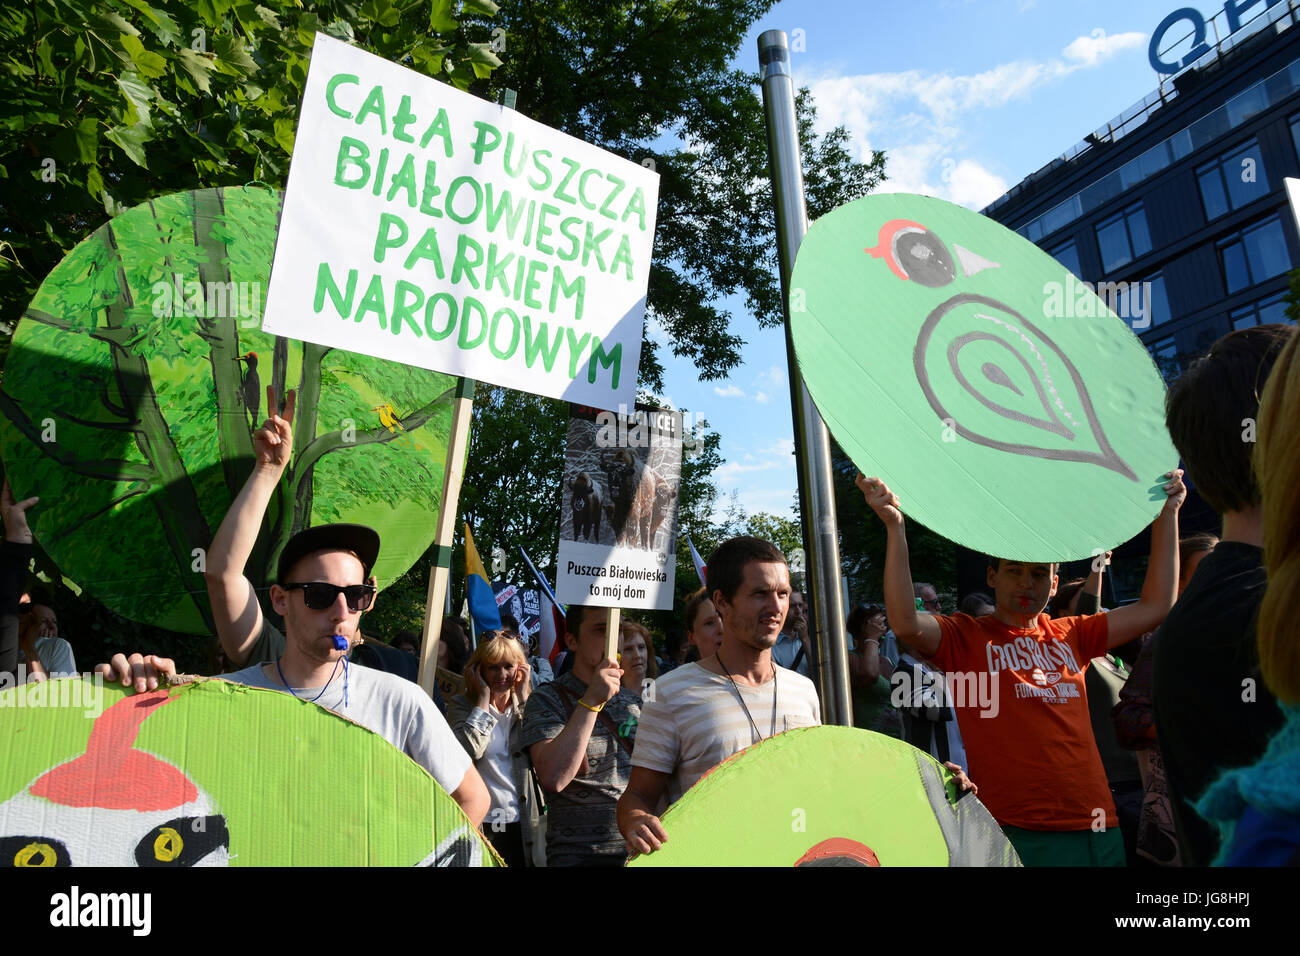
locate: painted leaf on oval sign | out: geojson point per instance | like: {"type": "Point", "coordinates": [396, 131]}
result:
{"type": "Point", "coordinates": [1008, 408]}
{"type": "Point", "coordinates": [213, 774]}
{"type": "Point", "coordinates": [829, 796]}
{"type": "Point", "coordinates": [136, 380]}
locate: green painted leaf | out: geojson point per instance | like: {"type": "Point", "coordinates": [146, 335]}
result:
{"type": "Point", "coordinates": [486, 7]}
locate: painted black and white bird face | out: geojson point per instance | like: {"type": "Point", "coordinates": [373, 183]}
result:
{"type": "Point", "coordinates": [114, 805]}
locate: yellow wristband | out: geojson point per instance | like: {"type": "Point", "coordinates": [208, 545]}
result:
{"type": "Point", "coordinates": [594, 710]}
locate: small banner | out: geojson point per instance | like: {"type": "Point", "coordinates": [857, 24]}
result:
{"type": "Point", "coordinates": [618, 526]}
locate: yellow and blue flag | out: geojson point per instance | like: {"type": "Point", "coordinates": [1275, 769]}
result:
{"type": "Point", "coordinates": [482, 602]}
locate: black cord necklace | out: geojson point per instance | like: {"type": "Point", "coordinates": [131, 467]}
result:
{"type": "Point", "coordinates": [753, 726]}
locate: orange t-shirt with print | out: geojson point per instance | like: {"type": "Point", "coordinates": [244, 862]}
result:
{"type": "Point", "coordinates": [1023, 713]}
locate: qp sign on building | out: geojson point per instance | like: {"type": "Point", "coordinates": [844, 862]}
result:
{"type": "Point", "coordinates": [426, 226]}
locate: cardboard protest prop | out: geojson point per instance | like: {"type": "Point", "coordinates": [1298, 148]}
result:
{"type": "Point", "coordinates": [1002, 401]}
{"type": "Point", "coordinates": [424, 225]}
{"type": "Point", "coordinates": [212, 774]}
{"type": "Point", "coordinates": [829, 796]}
{"type": "Point", "coordinates": [136, 380]}
{"type": "Point", "coordinates": [618, 524]}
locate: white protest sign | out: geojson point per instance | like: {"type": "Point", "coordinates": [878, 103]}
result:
{"type": "Point", "coordinates": [429, 227]}
{"type": "Point", "coordinates": [618, 527]}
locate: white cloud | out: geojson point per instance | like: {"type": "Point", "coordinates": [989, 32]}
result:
{"type": "Point", "coordinates": [730, 391]}
{"type": "Point", "coordinates": [1091, 50]}
{"type": "Point", "coordinates": [920, 118]}
{"type": "Point", "coordinates": [760, 398]}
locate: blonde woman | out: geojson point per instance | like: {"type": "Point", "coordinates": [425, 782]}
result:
{"type": "Point", "coordinates": [488, 721]}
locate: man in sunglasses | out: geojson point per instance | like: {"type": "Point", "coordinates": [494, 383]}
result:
{"type": "Point", "coordinates": [323, 585]}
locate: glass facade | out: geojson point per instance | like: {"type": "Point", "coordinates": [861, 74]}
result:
{"type": "Point", "coordinates": [1123, 237]}
{"type": "Point", "coordinates": [1233, 180]}
{"type": "Point", "coordinates": [1253, 255]}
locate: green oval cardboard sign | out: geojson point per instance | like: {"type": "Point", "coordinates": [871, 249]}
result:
{"type": "Point", "coordinates": [133, 387]}
{"type": "Point", "coordinates": [829, 796]}
{"type": "Point", "coordinates": [212, 774]}
{"type": "Point", "coordinates": [1004, 403]}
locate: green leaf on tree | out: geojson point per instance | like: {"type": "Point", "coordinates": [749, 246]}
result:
{"type": "Point", "coordinates": [198, 66]}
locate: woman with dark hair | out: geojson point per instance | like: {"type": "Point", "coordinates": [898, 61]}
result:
{"type": "Point", "coordinates": [488, 720]}
{"type": "Point", "coordinates": [703, 625]}
{"type": "Point", "coordinates": [637, 656]}
{"type": "Point", "coordinates": [869, 673]}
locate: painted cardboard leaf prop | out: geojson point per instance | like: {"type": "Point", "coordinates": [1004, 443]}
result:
{"type": "Point", "coordinates": [134, 385]}
{"type": "Point", "coordinates": [998, 397]}
{"type": "Point", "coordinates": [829, 796]}
{"type": "Point", "coordinates": [212, 774]}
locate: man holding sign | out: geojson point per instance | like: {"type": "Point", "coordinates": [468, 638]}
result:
{"type": "Point", "coordinates": [1031, 745]}
{"type": "Point", "coordinates": [580, 729]}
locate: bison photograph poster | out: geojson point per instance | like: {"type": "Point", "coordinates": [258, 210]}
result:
{"type": "Point", "coordinates": [622, 472]}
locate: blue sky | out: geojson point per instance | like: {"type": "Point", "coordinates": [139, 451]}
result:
{"type": "Point", "coordinates": [966, 98]}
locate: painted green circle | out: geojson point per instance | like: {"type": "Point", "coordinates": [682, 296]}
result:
{"type": "Point", "coordinates": [126, 409]}
{"type": "Point", "coordinates": [1003, 403]}
{"type": "Point", "coordinates": [774, 803]}
{"type": "Point", "coordinates": [295, 784]}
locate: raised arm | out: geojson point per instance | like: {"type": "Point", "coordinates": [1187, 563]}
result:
{"type": "Point", "coordinates": [1160, 589]}
{"type": "Point", "coordinates": [920, 631]}
{"type": "Point", "coordinates": [235, 608]}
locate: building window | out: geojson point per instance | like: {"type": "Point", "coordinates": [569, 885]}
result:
{"type": "Point", "coordinates": [1165, 354]}
{"type": "Point", "coordinates": [1067, 254]}
{"type": "Point", "coordinates": [1253, 255]}
{"type": "Point", "coordinates": [1143, 304]}
{"type": "Point", "coordinates": [1295, 134]}
{"type": "Point", "coordinates": [1123, 237]}
{"type": "Point", "coordinates": [1232, 180]}
{"type": "Point", "coordinates": [1263, 312]}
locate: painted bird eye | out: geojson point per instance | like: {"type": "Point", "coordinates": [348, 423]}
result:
{"type": "Point", "coordinates": [182, 842]}
{"type": "Point", "coordinates": [923, 257]}
{"type": "Point", "coordinates": [33, 851]}
{"type": "Point", "coordinates": [914, 253]}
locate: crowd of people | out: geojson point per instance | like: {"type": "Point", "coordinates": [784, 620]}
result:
{"type": "Point", "coordinates": [1160, 732]}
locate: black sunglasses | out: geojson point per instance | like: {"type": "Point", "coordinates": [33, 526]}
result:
{"type": "Point", "coordinates": [320, 596]}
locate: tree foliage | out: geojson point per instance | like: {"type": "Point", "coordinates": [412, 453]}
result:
{"type": "Point", "coordinates": [111, 103]}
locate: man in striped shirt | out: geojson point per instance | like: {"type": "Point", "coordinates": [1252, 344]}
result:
{"type": "Point", "coordinates": [702, 713]}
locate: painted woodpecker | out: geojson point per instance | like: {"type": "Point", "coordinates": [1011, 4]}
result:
{"type": "Point", "coordinates": [252, 387]}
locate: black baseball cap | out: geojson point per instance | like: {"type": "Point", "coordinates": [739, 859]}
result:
{"type": "Point", "coordinates": [357, 538]}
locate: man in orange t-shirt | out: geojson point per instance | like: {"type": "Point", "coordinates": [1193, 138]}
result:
{"type": "Point", "coordinates": [1017, 682]}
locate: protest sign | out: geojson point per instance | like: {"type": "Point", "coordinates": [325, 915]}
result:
{"type": "Point", "coordinates": [522, 602]}
{"type": "Point", "coordinates": [424, 225]}
{"type": "Point", "coordinates": [830, 796]}
{"type": "Point", "coordinates": [136, 380]}
{"type": "Point", "coordinates": [999, 397]}
{"type": "Point", "coordinates": [213, 774]}
{"type": "Point", "coordinates": [618, 523]}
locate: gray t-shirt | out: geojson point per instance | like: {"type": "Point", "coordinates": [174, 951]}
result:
{"type": "Point", "coordinates": [694, 720]}
{"type": "Point", "coordinates": [581, 820]}
{"type": "Point", "coordinates": [392, 707]}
